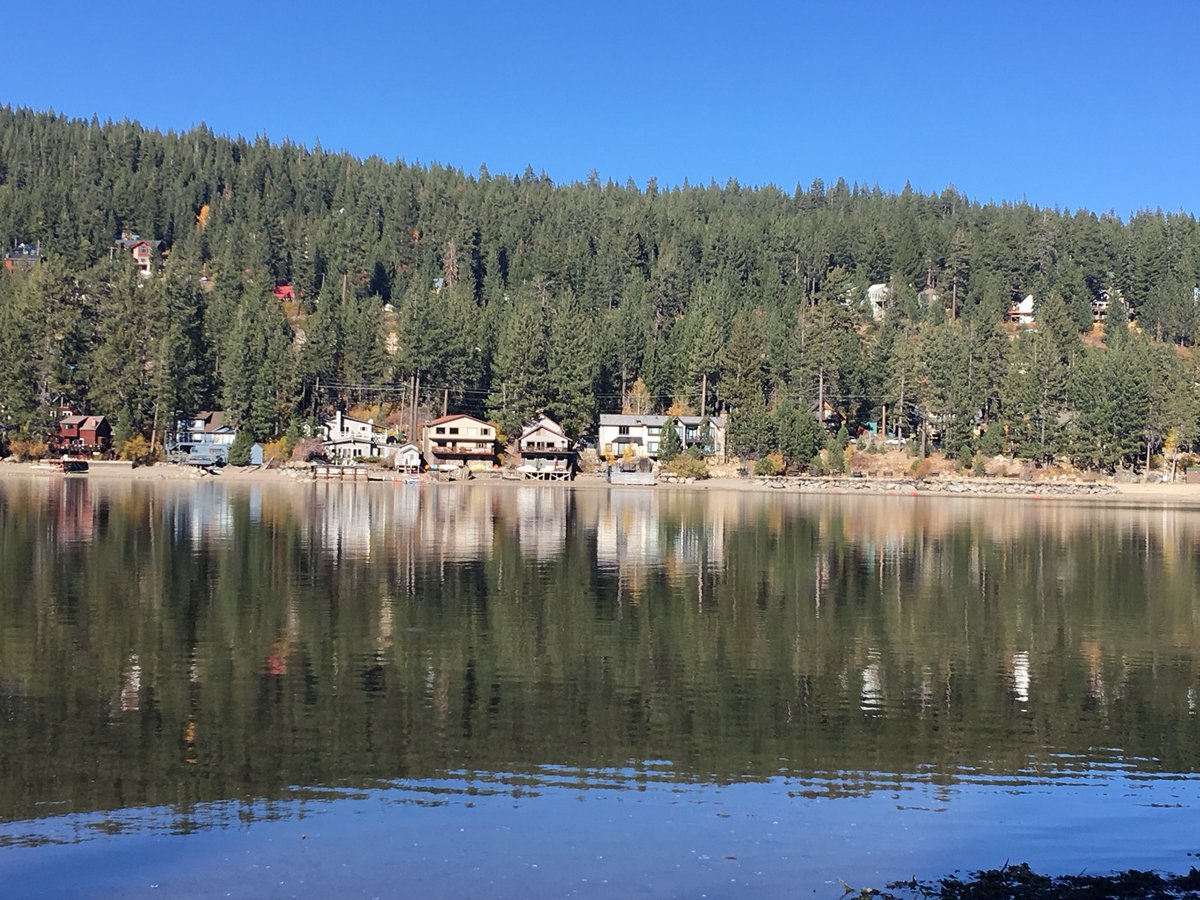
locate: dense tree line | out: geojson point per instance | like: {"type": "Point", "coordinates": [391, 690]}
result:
{"type": "Point", "coordinates": [506, 295]}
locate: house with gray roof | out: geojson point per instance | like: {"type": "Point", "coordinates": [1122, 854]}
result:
{"type": "Point", "coordinates": [622, 435]}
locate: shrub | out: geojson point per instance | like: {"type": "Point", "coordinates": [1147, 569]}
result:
{"type": "Point", "coordinates": [979, 469]}
{"type": "Point", "coordinates": [922, 469]}
{"type": "Point", "coordinates": [770, 465]}
{"type": "Point", "coordinates": [138, 451]}
{"type": "Point", "coordinates": [687, 466]}
{"type": "Point", "coordinates": [966, 458]}
{"type": "Point", "coordinates": [277, 450]}
{"type": "Point", "coordinates": [308, 449]}
{"type": "Point", "coordinates": [23, 449]}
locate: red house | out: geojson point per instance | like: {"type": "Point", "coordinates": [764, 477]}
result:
{"type": "Point", "coordinates": [284, 292]}
{"type": "Point", "coordinates": [143, 251]}
{"type": "Point", "coordinates": [81, 434]}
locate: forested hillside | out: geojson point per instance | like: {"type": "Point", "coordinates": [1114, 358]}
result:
{"type": "Point", "coordinates": [513, 294]}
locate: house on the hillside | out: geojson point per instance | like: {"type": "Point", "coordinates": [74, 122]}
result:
{"type": "Point", "coordinates": [283, 291]}
{"type": "Point", "coordinates": [1100, 307]}
{"type": "Point", "coordinates": [81, 434]}
{"type": "Point", "coordinates": [145, 251]}
{"type": "Point", "coordinates": [347, 437]}
{"type": "Point", "coordinates": [23, 258]}
{"type": "Point", "coordinates": [1021, 311]}
{"type": "Point", "coordinates": [622, 435]}
{"type": "Point", "coordinates": [203, 439]}
{"type": "Point", "coordinates": [879, 298]}
{"type": "Point", "coordinates": [457, 440]}
{"type": "Point", "coordinates": [546, 451]}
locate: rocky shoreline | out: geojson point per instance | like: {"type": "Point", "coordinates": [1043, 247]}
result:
{"type": "Point", "coordinates": [937, 486]}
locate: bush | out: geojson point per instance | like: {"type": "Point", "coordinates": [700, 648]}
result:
{"type": "Point", "coordinates": [277, 450]}
{"type": "Point", "coordinates": [687, 466]}
{"type": "Point", "coordinates": [979, 469]}
{"type": "Point", "coordinates": [922, 469]}
{"type": "Point", "coordinates": [770, 465]}
{"type": "Point", "coordinates": [309, 449]}
{"type": "Point", "coordinates": [965, 458]}
{"type": "Point", "coordinates": [23, 450]}
{"type": "Point", "coordinates": [138, 451]}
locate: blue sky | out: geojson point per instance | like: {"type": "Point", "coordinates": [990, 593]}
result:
{"type": "Point", "coordinates": [1068, 104]}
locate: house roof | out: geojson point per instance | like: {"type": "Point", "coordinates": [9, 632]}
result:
{"type": "Point", "coordinates": [91, 423]}
{"type": "Point", "coordinates": [22, 252]}
{"type": "Point", "coordinates": [544, 423]}
{"type": "Point", "coordinates": [345, 418]}
{"type": "Point", "coordinates": [659, 421]}
{"type": "Point", "coordinates": [72, 420]}
{"type": "Point", "coordinates": [453, 417]}
{"type": "Point", "coordinates": [213, 419]}
{"type": "Point", "coordinates": [131, 241]}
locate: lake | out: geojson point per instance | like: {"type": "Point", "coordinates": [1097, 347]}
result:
{"type": "Point", "coordinates": [301, 689]}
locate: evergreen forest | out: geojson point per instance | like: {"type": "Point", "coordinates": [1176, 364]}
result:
{"type": "Point", "coordinates": [505, 295]}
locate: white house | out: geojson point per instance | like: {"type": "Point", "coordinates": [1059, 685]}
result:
{"type": "Point", "coordinates": [546, 450]}
{"type": "Point", "coordinates": [879, 297]}
{"type": "Point", "coordinates": [643, 434]}
{"type": "Point", "coordinates": [406, 457]}
{"type": "Point", "coordinates": [1021, 311]}
{"type": "Point", "coordinates": [348, 438]}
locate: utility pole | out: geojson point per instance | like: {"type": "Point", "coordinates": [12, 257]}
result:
{"type": "Point", "coordinates": [703, 394]}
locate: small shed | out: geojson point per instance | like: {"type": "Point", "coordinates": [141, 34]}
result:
{"type": "Point", "coordinates": [256, 454]}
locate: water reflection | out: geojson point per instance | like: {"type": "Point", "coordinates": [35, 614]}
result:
{"type": "Point", "coordinates": [179, 645]}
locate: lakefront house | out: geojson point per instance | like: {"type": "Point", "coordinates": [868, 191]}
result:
{"type": "Point", "coordinates": [457, 440]}
{"type": "Point", "coordinates": [626, 435]}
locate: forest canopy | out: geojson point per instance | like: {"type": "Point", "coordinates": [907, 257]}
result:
{"type": "Point", "coordinates": [508, 295]}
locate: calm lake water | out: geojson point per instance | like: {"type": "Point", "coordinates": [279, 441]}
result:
{"type": "Point", "coordinates": [372, 690]}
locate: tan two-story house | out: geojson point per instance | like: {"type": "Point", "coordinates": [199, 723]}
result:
{"type": "Point", "coordinates": [457, 440]}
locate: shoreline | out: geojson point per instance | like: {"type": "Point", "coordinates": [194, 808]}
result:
{"type": "Point", "coordinates": [1178, 495]}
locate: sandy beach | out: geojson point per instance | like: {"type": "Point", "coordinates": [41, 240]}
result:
{"type": "Point", "coordinates": [1179, 494]}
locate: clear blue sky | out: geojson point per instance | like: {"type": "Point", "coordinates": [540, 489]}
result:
{"type": "Point", "coordinates": [1074, 104]}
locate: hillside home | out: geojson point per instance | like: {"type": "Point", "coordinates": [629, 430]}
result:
{"type": "Point", "coordinates": [1021, 311]}
{"type": "Point", "coordinates": [457, 440]}
{"type": "Point", "coordinates": [143, 250]}
{"type": "Point", "coordinates": [643, 434]}
{"type": "Point", "coordinates": [23, 258]}
{"type": "Point", "coordinates": [879, 297]}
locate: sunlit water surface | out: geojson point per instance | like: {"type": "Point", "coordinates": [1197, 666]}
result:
{"type": "Point", "coordinates": [460, 690]}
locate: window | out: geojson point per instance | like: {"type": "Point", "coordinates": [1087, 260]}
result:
{"type": "Point", "coordinates": [654, 430]}
{"type": "Point", "coordinates": [652, 448]}
{"type": "Point", "coordinates": [622, 429]}
{"type": "Point", "coordinates": [454, 431]}
{"type": "Point", "coordinates": [439, 430]}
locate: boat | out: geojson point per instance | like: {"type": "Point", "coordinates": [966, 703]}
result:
{"type": "Point", "coordinates": [64, 464]}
